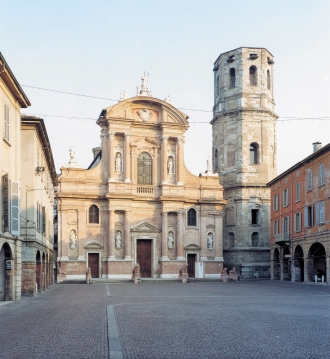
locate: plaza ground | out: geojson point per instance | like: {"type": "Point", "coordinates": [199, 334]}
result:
{"type": "Point", "coordinates": [248, 319]}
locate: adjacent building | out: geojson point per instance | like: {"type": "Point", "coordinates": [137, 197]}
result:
{"type": "Point", "coordinates": [244, 155]}
{"type": "Point", "coordinates": [137, 202]}
{"type": "Point", "coordinates": [300, 220]}
{"type": "Point", "coordinates": [12, 99]}
{"type": "Point", "coordinates": [37, 206]}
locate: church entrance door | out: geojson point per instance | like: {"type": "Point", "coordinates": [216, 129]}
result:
{"type": "Point", "coordinates": [191, 265]}
{"type": "Point", "coordinates": [93, 264]}
{"type": "Point", "coordinates": [143, 257]}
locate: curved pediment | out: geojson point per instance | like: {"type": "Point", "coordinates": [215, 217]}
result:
{"type": "Point", "coordinates": [93, 245]}
{"type": "Point", "coordinates": [145, 109]}
{"type": "Point", "coordinates": [145, 227]}
{"type": "Point", "coordinates": [192, 247]}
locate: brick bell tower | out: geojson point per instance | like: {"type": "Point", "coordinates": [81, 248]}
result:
{"type": "Point", "coordinates": [244, 154]}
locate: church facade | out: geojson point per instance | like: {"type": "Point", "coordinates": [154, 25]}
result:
{"type": "Point", "coordinates": [137, 202]}
{"type": "Point", "coordinates": [244, 155]}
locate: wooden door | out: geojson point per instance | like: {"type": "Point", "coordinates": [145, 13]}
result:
{"type": "Point", "coordinates": [93, 264]}
{"type": "Point", "coordinates": [143, 257]}
{"type": "Point", "coordinates": [191, 265]}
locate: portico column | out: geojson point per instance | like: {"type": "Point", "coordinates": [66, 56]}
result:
{"type": "Point", "coordinates": [127, 158]}
{"type": "Point", "coordinates": [218, 240]}
{"type": "Point", "coordinates": [112, 156]}
{"type": "Point", "coordinates": [327, 263]}
{"type": "Point", "coordinates": [179, 239]}
{"type": "Point", "coordinates": [164, 236]}
{"type": "Point", "coordinates": [127, 236]}
{"type": "Point", "coordinates": [179, 160]}
{"type": "Point", "coordinates": [164, 159]}
{"type": "Point", "coordinates": [111, 238]}
{"type": "Point", "coordinates": [306, 274]}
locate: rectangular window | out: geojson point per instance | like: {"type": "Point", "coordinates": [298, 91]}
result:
{"type": "Point", "coordinates": [5, 203]}
{"type": "Point", "coordinates": [309, 216]}
{"type": "Point", "coordinates": [297, 222]}
{"type": "Point", "coordinates": [286, 227]}
{"type": "Point", "coordinates": [276, 202]}
{"type": "Point", "coordinates": [320, 215]}
{"type": "Point", "coordinates": [286, 197]}
{"type": "Point", "coordinates": [321, 175]}
{"type": "Point", "coordinates": [6, 124]}
{"type": "Point", "coordinates": [15, 209]}
{"type": "Point", "coordinates": [44, 220]}
{"type": "Point", "coordinates": [309, 180]}
{"type": "Point", "coordinates": [254, 216]}
{"type": "Point", "coordinates": [298, 187]}
{"type": "Point", "coordinates": [275, 228]}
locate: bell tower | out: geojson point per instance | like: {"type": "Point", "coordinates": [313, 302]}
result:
{"type": "Point", "coordinates": [244, 154]}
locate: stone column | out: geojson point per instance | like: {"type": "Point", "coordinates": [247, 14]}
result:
{"type": "Point", "coordinates": [306, 274]}
{"type": "Point", "coordinates": [164, 236]}
{"type": "Point", "coordinates": [164, 159]}
{"type": "Point", "coordinates": [105, 232]}
{"type": "Point", "coordinates": [202, 236]}
{"type": "Point", "coordinates": [328, 268]}
{"type": "Point", "coordinates": [127, 158]}
{"type": "Point", "coordinates": [218, 240]}
{"type": "Point", "coordinates": [179, 239]}
{"type": "Point", "coordinates": [133, 164]}
{"type": "Point", "coordinates": [105, 155]}
{"type": "Point", "coordinates": [179, 161]}
{"type": "Point", "coordinates": [281, 268]}
{"type": "Point", "coordinates": [111, 238]}
{"type": "Point", "coordinates": [271, 264]}
{"type": "Point", "coordinates": [127, 236]}
{"type": "Point", "coordinates": [112, 156]}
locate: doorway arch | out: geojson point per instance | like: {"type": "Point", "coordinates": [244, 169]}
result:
{"type": "Point", "coordinates": [6, 279]}
{"type": "Point", "coordinates": [276, 264]}
{"type": "Point", "coordinates": [286, 271]}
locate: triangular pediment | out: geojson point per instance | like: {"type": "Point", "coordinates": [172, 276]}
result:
{"type": "Point", "coordinates": [145, 227]}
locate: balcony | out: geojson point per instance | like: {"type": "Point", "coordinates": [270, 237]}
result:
{"type": "Point", "coordinates": [283, 239]}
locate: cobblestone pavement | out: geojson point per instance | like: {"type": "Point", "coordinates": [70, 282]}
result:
{"type": "Point", "coordinates": [248, 319]}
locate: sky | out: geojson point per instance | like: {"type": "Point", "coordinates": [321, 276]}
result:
{"type": "Point", "coordinates": [98, 48]}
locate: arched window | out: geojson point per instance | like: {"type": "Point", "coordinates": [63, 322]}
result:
{"type": "Point", "coordinates": [253, 154]}
{"type": "Point", "coordinates": [232, 77]}
{"type": "Point", "coordinates": [192, 217]}
{"type": "Point", "coordinates": [144, 168]}
{"type": "Point", "coordinates": [253, 76]}
{"type": "Point", "coordinates": [268, 80]}
{"type": "Point", "coordinates": [255, 239]}
{"type": "Point", "coordinates": [93, 214]}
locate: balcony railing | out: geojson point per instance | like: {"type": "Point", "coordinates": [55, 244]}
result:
{"type": "Point", "coordinates": [145, 190]}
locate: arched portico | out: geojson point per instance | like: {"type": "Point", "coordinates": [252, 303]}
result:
{"type": "Point", "coordinates": [298, 264]}
{"type": "Point", "coordinates": [286, 264]}
{"type": "Point", "coordinates": [6, 273]}
{"type": "Point", "coordinates": [317, 262]}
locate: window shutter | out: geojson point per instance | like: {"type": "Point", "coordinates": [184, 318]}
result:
{"type": "Point", "coordinates": [6, 124]}
{"type": "Point", "coordinates": [306, 217]}
{"type": "Point", "coordinates": [15, 223]}
{"type": "Point", "coordinates": [298, 191]}
{"type": "Point", "coordinates": [321, 175]}
{"type": "Point", "coordinates": [288, 227]}
{"type": "Point", "coordinates": [44, 220]}
{"type": "Point", "coordinates": [295, 222]}
{"type": "Point", "coordinates": [322, 214]}
{"type": "Point", "coordinates": [299, 219]}
{"type": "Point", "coordinates": [5, 203]}
{"type": "Point", "coordinates": [312, 216]}
{"type": "Point", "coordinates": [317, 213]}
{"type": "Point", "coordinates": [309, 180]}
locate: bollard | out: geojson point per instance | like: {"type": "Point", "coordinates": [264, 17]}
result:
{"type": "Point", "coordinates": [322, 278]}
{"type": "Point", "coordinates": [315, 278]}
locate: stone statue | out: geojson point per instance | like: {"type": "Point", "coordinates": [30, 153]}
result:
{"type": "Point", "coordinates": [209, 164]}
{"type": "Point", "coordinates": [118, 239]}
{"type": "Point", "coordinates": [118, 162]}
{"type": "Point", "coordinates": [170, 165]}
{"type": "Point", "coordinates": [168, 99]}
{"type": "Point", "coordinates": [73, 239]}
{"type": "Point", "coordinates": [170, 240]}
{"type": "Point", "coordinates": [72, 154]}
{"type": "Point", "coordinates": [210, 240]}
{"type": "Point", "coordinates": [143, 90]}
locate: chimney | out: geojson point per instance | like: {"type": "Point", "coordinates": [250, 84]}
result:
{"type": "Point", "coordinates": [316, 146]}
{"type": "Point", "coordinates": [96, 151]}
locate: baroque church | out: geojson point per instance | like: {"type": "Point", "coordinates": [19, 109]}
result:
{"type": "Point", "coordinates": [138, 203]}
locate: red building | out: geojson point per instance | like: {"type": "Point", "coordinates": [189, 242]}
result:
{"type": "Point", "coordinates": [300, 220]}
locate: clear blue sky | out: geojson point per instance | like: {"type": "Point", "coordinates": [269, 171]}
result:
{"type": "Point", "coordinates": [101, 47]}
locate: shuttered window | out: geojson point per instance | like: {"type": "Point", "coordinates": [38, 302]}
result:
{"type": "Point", "coordinates": [309, 216]}
{"type": "Point", "coordinates": [275, 228]}
{"type": "Point", "coordinates": [276, 202]}
{"type": "Point", "coordinates": [321, 175]}
{"type": "Point", "coordinates": [44, 220]}
{"type": "Point", "coordinates": [309, 180]}
{"type": "Point", "coordinates": [14, 209]}
{"type": "Point", "coordinates": [6, 124]}
{"type": "Point", "coordinates": [298, 187]}
{"type": "Point", "coordinates": [5, 203]}
{"type": "Point", "coordinates": [320, 215]}
{"type": "Point", "coordinates": [297, 222]}
{"type": "Point", "coordinates": [286, 197]}
{"type": "Point", "coordinates": [286, 227]}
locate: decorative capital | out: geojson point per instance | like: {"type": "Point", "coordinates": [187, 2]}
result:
{"type": "Point", "coordinates": [127, 135]}
{"type": "Point", "coordinates": [164, 139]}
{"type": "Point", "coordinates": [112, 134]}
